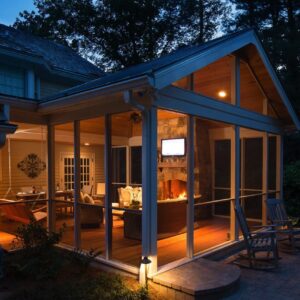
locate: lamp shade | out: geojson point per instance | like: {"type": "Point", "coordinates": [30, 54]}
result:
{"type": "Point", "coordinates": [100, 188]}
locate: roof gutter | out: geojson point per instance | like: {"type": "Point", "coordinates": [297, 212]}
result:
{"type": "Point", "coordinates": [70, 100]}
{"type": "Point", "coordinates": [19, 102]}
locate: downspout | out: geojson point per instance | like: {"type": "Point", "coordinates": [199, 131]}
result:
{"type": "Point", "coordinates": [5, 126]}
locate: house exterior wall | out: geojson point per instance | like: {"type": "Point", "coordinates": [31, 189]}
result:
{"type": "Point", "coordinates": [48, 88]}
{"type": "Point", "coordinates": [20, 149]}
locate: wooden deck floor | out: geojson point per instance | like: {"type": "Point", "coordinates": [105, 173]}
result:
{"type": "Point", "coordinates": [210, 233]}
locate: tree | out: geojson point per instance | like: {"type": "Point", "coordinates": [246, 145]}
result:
{"type": "Point", "coordinates": [278, 24]}
{"type": "Point", "coordinates": [121, 33]}
{"type": "Point", "coordinates": [204, 18]}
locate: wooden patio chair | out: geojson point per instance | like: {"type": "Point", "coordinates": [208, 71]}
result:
{"type": "Point", "coordinates": [283, 225]}
{"type": "Point", "coordinates": [20, 212]}
{"type": "Point", "coordinates": [262, 241]}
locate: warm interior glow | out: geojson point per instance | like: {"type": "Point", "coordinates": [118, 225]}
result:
{"type": "Point", "coordinates": [183, 195]}
{"type": "Point", "coordinates": [222, 94]}
{"type": "Point", "coordinates": [86, 144]}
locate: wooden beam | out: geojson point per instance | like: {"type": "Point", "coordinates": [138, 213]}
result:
{"type": "Point", "coordinates": [177, 99]}
{"type": "Point", "coordinates": [190, 186]}
{"type": "Point", "coordinates": [108, 187]}
{"type": "Point", "coordinates": [77, 187]}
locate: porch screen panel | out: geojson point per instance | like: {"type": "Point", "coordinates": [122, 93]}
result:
{"type": "Point", "coordinates": [253, 178]}
{"type": "Point", "coordinates": [23, 180]}
{"type": "Point", "coordinates": [222, 176]}
{"type": "Point", "coordinates": [126, 196]}
{"type": "Point", "coordinates": [212, 186]}
{"type": "Point", "coordinates": [92, 203]}
{"type": "Point", "coordinates": [171, 187]}
{"type": "Point", "coordinates": [64, 182]}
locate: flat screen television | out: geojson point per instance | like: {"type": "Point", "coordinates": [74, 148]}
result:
{"type": "Point", "coordinates": [173, 147]}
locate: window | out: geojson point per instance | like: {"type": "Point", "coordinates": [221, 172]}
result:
{"type": "Point", "coordinates": [12, 81]}
{"type": "Point", "coordinates": [136, 165]}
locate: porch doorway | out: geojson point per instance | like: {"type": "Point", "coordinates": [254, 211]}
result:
{"type": "Point", "coordinates": [87, 171]}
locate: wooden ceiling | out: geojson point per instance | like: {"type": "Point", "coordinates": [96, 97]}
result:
{"type": "Point", "coordinates": [216, 77]}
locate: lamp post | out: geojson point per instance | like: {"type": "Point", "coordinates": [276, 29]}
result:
{"type": "Point", "coordinates": [145, 262]}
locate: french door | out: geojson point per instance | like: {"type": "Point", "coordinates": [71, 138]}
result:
{"type": "Point", "coordinates": [87, 170]}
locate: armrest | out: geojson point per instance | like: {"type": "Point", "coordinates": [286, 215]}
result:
{"type": "Point", "coordinates": [270, 233]}
{"type": "Point", "coordinates": [265, 226]}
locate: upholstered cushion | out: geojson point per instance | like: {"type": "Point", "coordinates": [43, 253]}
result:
{"type": "Point", "coordinates": [126, 195]}
{"type": "Point", "coordinates": [137, 194]}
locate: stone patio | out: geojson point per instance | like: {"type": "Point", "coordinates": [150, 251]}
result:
{"type": "Point", "coordinates": [283, 283]}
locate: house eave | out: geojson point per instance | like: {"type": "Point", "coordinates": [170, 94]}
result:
{"type": "Point", "coordinates": [19, 102]}
{"type": "Point", "coordinates": [55, 105]}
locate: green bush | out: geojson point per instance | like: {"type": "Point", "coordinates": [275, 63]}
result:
{"type": "Point", "coordinates": [36, 257]}
{"type": "Point", "coordinates": [292, 188]}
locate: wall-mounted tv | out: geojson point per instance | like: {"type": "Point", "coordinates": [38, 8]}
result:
{"type": "Point", "coordinates": [173, 147]}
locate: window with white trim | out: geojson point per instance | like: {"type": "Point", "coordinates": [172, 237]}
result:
{"type": "Point", "coordinates": [87, 170]}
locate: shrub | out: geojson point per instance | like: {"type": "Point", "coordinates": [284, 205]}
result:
{"type": "Point", "coordinates": [36, 256]}
{"type": "Point", "coordinates": [292, 188]}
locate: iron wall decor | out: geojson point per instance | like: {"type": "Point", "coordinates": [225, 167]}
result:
{"type": "Point", "coordinates": [32, 165]}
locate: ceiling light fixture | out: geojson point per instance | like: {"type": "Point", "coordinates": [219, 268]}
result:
{"type": "Point", "coordinates": [222, 94]}
{"type": "Point", "coordinates": [86, 144]}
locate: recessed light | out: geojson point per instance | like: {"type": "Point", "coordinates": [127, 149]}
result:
{"type": "Point", "coordinates": [86, 144]}
{"type": "Point", "coordinates": [222, 94]}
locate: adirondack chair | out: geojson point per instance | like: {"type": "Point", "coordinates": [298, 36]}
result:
{"type": "Point", "coordinates": [283, 225]}
{"type": "Point", "coordinates": [262, 241]}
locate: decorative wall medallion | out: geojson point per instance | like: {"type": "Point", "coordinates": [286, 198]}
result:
{"type": "Point", "coordinates": [32, 165]}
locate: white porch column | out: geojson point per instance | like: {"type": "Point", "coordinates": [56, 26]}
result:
{"type": "Point", "coordinates": [51, 176]}
{"type": "Point", "coordinates": [265, 185]}
{"type": "Point", "coordinates": [149, 183]}
{"type": "Point", "coordinates": [107, 172]}
{"type": "Point", "coordinates": [190, 187]}
{"type": "Point", "coordinates": [235, 181]}
{"type": "Point", "coordinates": [76, 184]}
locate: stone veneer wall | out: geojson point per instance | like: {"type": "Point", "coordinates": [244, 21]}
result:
{"type": "Point", "coordinates": [177, 128]}
{"type": "Point", "coordinates": [167, 129]}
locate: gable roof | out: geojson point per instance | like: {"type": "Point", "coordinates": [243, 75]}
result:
{"type": "Point", "coordinates": [143, 69]}
{"type": "Point", "coordinates": [164, 71]}
{"type": "Point", "coordinates": [55, 56]}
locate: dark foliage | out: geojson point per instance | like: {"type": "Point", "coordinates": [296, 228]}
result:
{"type": "Point", "coordinates": [117, 34]}
{"type": "Point", "coordinates": [278, 24]}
